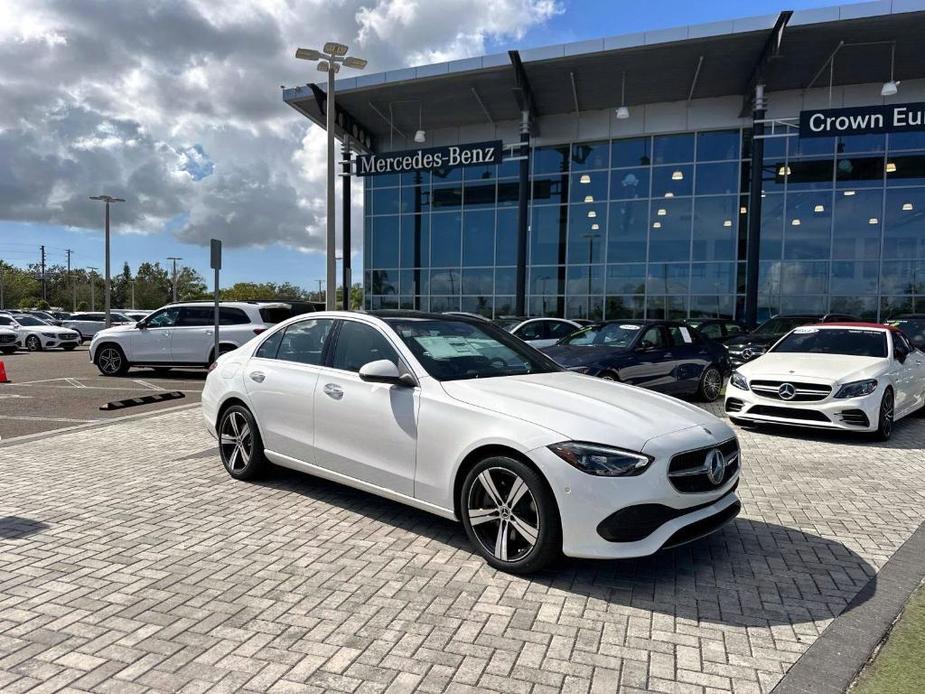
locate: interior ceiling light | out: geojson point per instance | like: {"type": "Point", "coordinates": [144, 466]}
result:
{"type": "Point", "coordinates": [743, 210]}
{"type": "Point", "coordinates": [585, 178]}
{"type": "Point", "coordinates": [907, 207]}
{"type": "Point", "coordinates": [819, 208]}
{"type": "Point", "coordinates": [595, 227]}
{"type": "Point", "coordinates": [623, 112]}
{"type": "Point", "coordinates": [796, 222]}
{"type": "Point", "coordinates": [727, 223]}
{"type": "Point", "coordinates": [589, 198]}
{"type": "Point", "coordinates": [891, 167]}
{"type": "Point", "coordinates": [657, 225]}
{"type": "Point", "coordinates": [669, 194]}
{"type": "Point", "coordinates": [873, 220]}
{"type": "Point", "coordinates": [845, 166]}
{"type": "Point", "coordinates": [661, 212]}
{"type": "Point", "coordinates": [848, 193]}
{"type": "Point", "coordinates": [677, 175]}
{"type": "Point", "coordinates": [783, 171]}
{"type": "Point", "coordinates": [592, 214]}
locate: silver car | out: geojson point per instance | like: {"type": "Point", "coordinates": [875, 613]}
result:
{"type": "Point", "coordinates": [88, 324]}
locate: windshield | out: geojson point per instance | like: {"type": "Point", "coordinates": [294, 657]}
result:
{"type": "Point", "coordinates": [508, 323]}
{"type": "Point", "coordinates": [857, 343]}
{"type": "Point", "coordinates": [608, 334]}
{"type": "Point", "coordinates": [782, 324]}
{"type": "Point", "coordinates": [29, 320]}
{"type": "Point", "coordinates": [454, 350]}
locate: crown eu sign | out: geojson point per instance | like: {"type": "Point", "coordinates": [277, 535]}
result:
{"type": "Point", "coordinates": [865, 120]}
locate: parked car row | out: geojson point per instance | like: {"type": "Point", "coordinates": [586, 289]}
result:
{"type": "Point", "coordinates": [33, 334]}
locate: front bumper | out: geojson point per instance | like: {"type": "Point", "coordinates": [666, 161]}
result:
{"type": "Point", "coordinates": [844, 414]}
{"type": "Point", "coordinates": [587, 502]}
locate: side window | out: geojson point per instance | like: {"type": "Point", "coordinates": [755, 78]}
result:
{"type": "Point", "coordinates": [532, 331]}
{"type": "Point", "coordinates": [196, 316]}
{"type": "Point", "coordinates": [303, 342]}
{"type": "Point", "coordinates": [6, 321]}
{"type": "Point", "coordinates": [652, 338]}
{"type": "Point", "coordinates": [681, 335]}
{"type": "Point", "coordinates": [901, 344]}
{"type": "Point", "coordinates": [358, 344]}
{"type": "Point", "coordinates": [94, 317]}
{"type": "Point", "coordinates": [733, 329]}
{"type": "Point", "coordinates": [559, 329]}
{"type": "Point", "coordinates": [163, 319]}
{"type": "Point", "coordinates": [229, 316]}
{"type": "Point", "coordinates": [270, 346]}
{"type": "Point", "coordinates": [712, 330]}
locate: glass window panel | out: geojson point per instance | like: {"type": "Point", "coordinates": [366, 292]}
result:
{"type": "Point", "coordinates": [666, 307]}
{"type": "Point", "coordinates": [907, 170]}
{"type": "Point", "coordinates": [584, 307]}
{"type": "Point", "coordinates": [627, 230]}
{"type": "Point", "coordinates": [584, 238]}
{"type": "Point", "coordinates": [441, 304]}
{"type": "Point", "coordinates": [505, 280]}
{"type": "Point", "coordinates": [480, 194]}
{"type": "Point", "coordinates": [540, 306]}
{"type": "Point", "coordinates": [892, 306]}
{"type": "Point", "coordinates": [385, 180]}
{"type": "Point", "coordinates": [415, 178]}
{"type": "Point", "coordinates": [480, 172]}
{"type": "Point", "coordinates": [667, 278]}
{"type": "Point", "coordinates": [716, 225]}
{"type": "Point", "coordinates": [386, 200]}
{"type": "Point", "coordinates": [385, 242]}
{"type": "Point", "coordinates": [635, 151]}
{"type": "Point", "coordinates": [859, 172]}
{"type": "Point", "coordinates": [715, 179]}
{"type": "Point", "coordinates": [478, 238]}
{"type": "Point", "coordinates": [716, 306]}
{"type": "Point", "coordinates": [506, 243]}
{"type": "Point", "coordinates": [767, 306]}
{"type": "Point", "coordinates": [857, 278]}
{"type": "Point", "coordinates": [385, 281]}
{"type": "Point", "coordinates": [773, 174]}
{"type": "Point", "coordinates": [719, 145]}
{"type": "Point", "coordinates": [671, 149]}
{"type": "Point", "coordinates": [672, 181]}
{"type": "Point", "coordinates": [909, 140]}
{"type": "Point", "coordinates": [368, 200]}
{"type": "Point", "coordinates": [447, 174]}
{"type": "Point", "coordinates": [504, 305]}
{"type": "Point", "coordinates": [803, 304]}
{"type": "Point", "coordinates": [809, 147]}
{"type": "Point", "coordinates": [584, 280]}
{"type": "Point", "coordinates": [862, 307]}
{"type": "Point", "coordinates": [478, 281]}
{"type": "Point", "coordinates": [367, 242]}
{"type": "Point", "coordinates": [629, 183]}
{"type": "Point", "coordinates": [444, 282]}
{"type": "Point", "coordinates": [772, 225]}
{"type": "Point", "coordinates": [550, 159]}
{"type": "Point", "coordinates": [406, 281]}
{"type": "Point", "coordinates": [625, 307]}
{"type": "Point", "coordinates": [592, 184]}
{"type": "Point", "coordinates": [509, 193]}
{"type": "Point", "coordinates": [851, 144]}
{"type": "Point", "coordinates": [415, 240]}
{"type": "Point", "coordinates": [808, 230]}
{"type": "Point", "coordinates": [509, 169]}
{"type": "Point", "coordinates": [447, 197]}
{"type": "Point", "coordinates": [547, 281]}
{"type": "Point", "coordinates": [477, 304]}
{"type": "Point", "coordinates": [415, 198]}
{"type": "Point", "coordinates": [769, 274]}
{"type": "Point", "coordinates": [857, 225]}
{"type": "Point", "coordinates": [445, 239]}
{"type": "Point", "coordinates": [713, 278]}
{"type": "Point", "coordinates": [626, 279]}
{"type": "Point", "coordinates": [804, 278]}
{"type": "Point", "coordinates": [547, 235]}
{"type": "Point", "coordinates": [904, 223]}
{"type": "Point", "coordinates": [809, 174]}
{"type": "Point", "coordinates": [900, 277]}
{"type": "Point", "coordinates": [590, 155]}
{"type": "Point", "coordinates": [774, 148]}
{"type": "Point", "coordinates": [550, 190]}
{"type": "Point", "coordinates": [670, 229]}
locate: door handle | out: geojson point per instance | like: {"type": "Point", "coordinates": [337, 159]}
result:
{"type": "Point", "coordinates": [333, 391]}
{"type": "Point", "coordinates": [258, 376]}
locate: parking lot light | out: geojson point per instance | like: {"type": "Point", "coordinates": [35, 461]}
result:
{"type": "Point", "coordinates": [108, 199]}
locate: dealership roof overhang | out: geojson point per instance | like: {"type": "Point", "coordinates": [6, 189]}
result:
{"type": "Point", "coordinates": [703, 61]}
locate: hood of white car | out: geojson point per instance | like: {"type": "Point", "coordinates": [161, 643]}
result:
{"type": "Point", "coordinates": [49, 329]}
{"type": "Point", "coordinates": [114, 330]}
{"type": "Point", "coordinates": [831, 368]}
{"type": "Point", "coordinates": [583, 408]}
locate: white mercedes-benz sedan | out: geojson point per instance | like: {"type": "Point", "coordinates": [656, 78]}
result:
{"type": "Point", "coordinates": [849, 376]}
{"type": "Point", "coordinates": [457, 417]}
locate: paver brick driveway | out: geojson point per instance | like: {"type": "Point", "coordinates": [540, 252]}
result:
{"type": "Point", "coordinates": [130, 561]}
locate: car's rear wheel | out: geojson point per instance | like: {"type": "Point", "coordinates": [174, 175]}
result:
{"type": "Point", "coordinates": [110, 360]}
{"type": "Point", "coordinates": [240, 445]}
{"type": "Point", "coordinates": [33, 344]}
{"type": "Point", "coordinates": [510, 515]}
{"type": "Point", "coordinates": [885, 418]}
{"type": "Point", "coordinates": [711, 384]}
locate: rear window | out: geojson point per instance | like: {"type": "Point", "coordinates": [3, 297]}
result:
{"type": "Point", "coordinates": [280, 312]}
{"type": "Point", "coordinates": [857, 343]}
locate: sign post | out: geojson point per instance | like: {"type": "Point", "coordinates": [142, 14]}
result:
{"type": "Point", "coordinates": [215, 264]}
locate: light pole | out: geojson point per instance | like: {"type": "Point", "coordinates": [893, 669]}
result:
{"type": "Point", "coordinates": [174, 259]}
{"type": "Point", "coordinates": [108, 199]}
{"type": "Point", "coordinates": [92, 288]}
{"type": "Point", "coordinates": [329, 61]}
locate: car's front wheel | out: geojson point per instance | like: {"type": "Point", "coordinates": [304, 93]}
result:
{"type": "Point", "coordinates": [885, 417]}
{"type": "Point", "coordinates": [33, 344]}
{"type": "Point", "coordinates": [240, 445]}
{"type": "Point", "coordinates": [510, 515]}
{"type": "Point", "coordinates": [711, 384]}
{"type": "Point", "coordinates": [110, 360]}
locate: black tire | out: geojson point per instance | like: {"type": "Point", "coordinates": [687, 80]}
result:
{"type": "Point", "coordinates": [519, 538]}
{"type": "Point", "coordinates": [68, 348]}
{"type": "Point", "coordinates": [33, 344]}
{"type": "Point", "coordinates": [9, 350]}
{"type": "Point", "coordinates": [110, 360]}
{"type": "Point", "coordinates": [240, 449]}
{"type": "Point", "coordinates": [885, 417]}
{"type": "Point", "coordinates": [222, 349]}
{"type": "Point", "coordinates": [610, 376]}
{"type": "Point", "coordinates": [711, 384]}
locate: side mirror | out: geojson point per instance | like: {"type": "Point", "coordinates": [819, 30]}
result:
{"type": "Point", "coordinates": [141, 325]}
{"type": "Point", "coordinates": [385, 371]}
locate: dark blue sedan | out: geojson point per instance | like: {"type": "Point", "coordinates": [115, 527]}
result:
{"type": "Point", "coordinates": [662, 355]}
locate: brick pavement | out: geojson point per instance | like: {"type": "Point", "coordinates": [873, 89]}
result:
{"type": "Point", "coordinates": [130, 562]}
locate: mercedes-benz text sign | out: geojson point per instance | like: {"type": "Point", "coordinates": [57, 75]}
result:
{"type": "Point", "coordinates": [480, 153]}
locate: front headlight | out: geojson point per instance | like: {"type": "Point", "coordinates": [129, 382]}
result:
{"type": "Point", "coordinates": [602, 461]}
{"type": "Point", "coordinates": [857, 389]}
{"type": "Point", "coordinates": [737, 380]}
{"type": "Point", "coordinates": [51, 335]}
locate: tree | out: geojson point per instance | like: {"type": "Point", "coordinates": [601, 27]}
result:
{"type": "Point", "coordinates": [152, 286]}
{"type": "Point", "coordinates": [82, 306]}
{"type": "Point", "coordinates": [190, 284]}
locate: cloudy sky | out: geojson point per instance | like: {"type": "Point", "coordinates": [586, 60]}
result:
{"type": "Point", "coordinates": [175, 105]}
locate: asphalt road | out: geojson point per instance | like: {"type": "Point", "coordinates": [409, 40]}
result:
{"type": "Point", "coordinates": [56, 389]}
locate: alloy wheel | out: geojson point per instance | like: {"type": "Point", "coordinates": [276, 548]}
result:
{"type": "Point", "coordinates": [886, 415]}
{"type": "Point", "coordinates": [237, 443]}
{"type": "Point", "coordinates": [33, 344]}
{"type": "Point", "coordinates": [503, 514]}
{"type": "Point", "coordinates": [110, 361]}
{"type": "Point", "coordinates": [712, 383]}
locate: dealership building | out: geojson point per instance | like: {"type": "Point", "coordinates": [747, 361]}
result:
{"type": "Point", "coordinates": [736, 169]}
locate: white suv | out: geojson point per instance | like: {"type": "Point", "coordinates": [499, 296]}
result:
{"type": "Point", "coordinates": [182, 335]}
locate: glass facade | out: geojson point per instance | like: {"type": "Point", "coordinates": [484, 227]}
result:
{"type": "Point", "coordinates": [655, 226]}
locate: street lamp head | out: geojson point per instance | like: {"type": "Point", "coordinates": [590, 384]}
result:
{"type": "Point", "coordinates": [355, 63]}
{"type": "Point", "coordinates": [325, 66]}
{"type": "Point", "coordinates": [334, 48]}
{"type": "Point", "coordinates": [106, 198]}
{"type": "Point", "coordinates": [307, 54]}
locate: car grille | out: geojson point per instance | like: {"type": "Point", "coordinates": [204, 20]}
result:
{"type": "Point", "coordinates": [789, 413]}
{"type": "Point", "coordinates": [688, 474]}
{"type": "Point", "coordinates": [4, 339]}
{"type": "Point", "coordinates": [855, 418]}
{"type": "Point", "coordinates": [803, 392]}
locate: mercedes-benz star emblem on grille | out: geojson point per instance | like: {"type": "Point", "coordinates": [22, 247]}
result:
{"type": "Point", "coordinates": [716, 466]}
{"type": "Point", "coordinates": [786, 391]}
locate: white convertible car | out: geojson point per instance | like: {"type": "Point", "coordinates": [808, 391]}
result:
{"type": "Point", "coordinates": [457, 417]}
{"type": "Point", "coordinates": [850, 376]}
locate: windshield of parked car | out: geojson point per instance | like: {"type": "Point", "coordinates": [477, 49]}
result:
{"type": "Point", "coordinates": [857, 343]}
{"type": "Point", "coordinates": [29, 320]}
{"type": "Point", "coordinates": [782, 324]}
{"type": "Point", "coordinates": [455, 350]}
{"type": "Point", "coordinates": [608, 334]}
